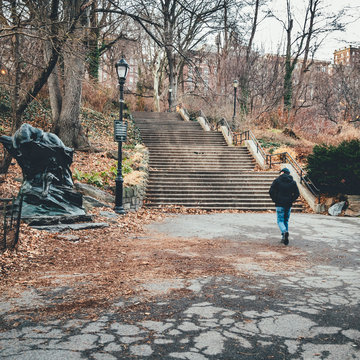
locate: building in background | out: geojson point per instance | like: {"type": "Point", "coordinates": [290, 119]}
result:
{"type": "Point", "coordinates": [347, 56]}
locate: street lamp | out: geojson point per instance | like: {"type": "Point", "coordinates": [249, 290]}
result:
{"type": "Point", "coordinates": [235, 84]}
{"type": "Point", "coordinates": [120, 130]}
{"type": "Point", "coordinates": [170, 99]}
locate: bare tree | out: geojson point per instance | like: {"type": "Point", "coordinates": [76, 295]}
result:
{"type": "Point", "coordinates": [176, 26]}
{"type": "Point", "coordinates": [66, 105]}
{"type": "Point", "coordinates": [336, 95]}
{"type": "Point", "coordinates": [302, 43]}
{"type": "Point", "coordinates": [20, 27]}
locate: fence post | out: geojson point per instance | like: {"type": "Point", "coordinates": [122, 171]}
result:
{"type": "Point", "coordinates": [4, 226]}
{"type": "Point", "coordinates": [11, 225]}
{"type": "Point", "coordinates": [21, 198]}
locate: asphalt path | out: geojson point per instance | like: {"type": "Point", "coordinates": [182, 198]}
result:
{"type": "Point", "coordinates": [308, 311]}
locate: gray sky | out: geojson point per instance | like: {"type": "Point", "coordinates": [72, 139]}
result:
{"type": "Point", "coordinates": [271, 34]}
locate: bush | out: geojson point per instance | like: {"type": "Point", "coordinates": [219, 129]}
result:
{"type": "Point", "coordinates": [103, 178]}
{"type": "Point", "coordinates": [336, 169]}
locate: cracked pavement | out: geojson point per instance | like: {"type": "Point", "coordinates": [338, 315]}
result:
{"type": "Point", "coordinates": [306, 312]}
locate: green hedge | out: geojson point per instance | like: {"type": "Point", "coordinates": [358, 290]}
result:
{"type": "Point", "coordinates": [336, 169]}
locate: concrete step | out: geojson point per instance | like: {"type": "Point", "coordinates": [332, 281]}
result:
{"type": "Point", "coordinates": [203, 165]}
{"type": "Point", "coordinates": [221, 197]}
{"type": "Point", "coordinates": [245, 206]}
{"type": "Point", "coordinates": [175, 153]}
{"type": "Point", "coordinates": [193, 168]}
{"type": "Point", "coordinates": [171, 152]}
{"type": "Point", "coordinates": [194, 147]}
{"type": "Point", "coordinates": [192, 160]}
{"type": "Point", "coordinates": [207, 179]}
{"type": "Point", "coordinates": [249, 191]}
{"type": "Point", "coordinates": [203, 159]}
{"type": "Point", "coordinates": [210, 172]}
{"type": "Point", "coordinates": [173, 188]}
{"type": "Point", "coordinates": [184, 142]}
{"type": "Point", "coordinates": [207, 176]}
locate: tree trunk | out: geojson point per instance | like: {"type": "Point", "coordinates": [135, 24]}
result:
{"type": "Point", "coordinates": [54, 91]}
{"type": "Point", "coordinates": [156, 74]}
{"type": "Point", "coordinates": [289, 67]}
{"type": "Point", "coordinates": [16, 118]}
{"type": "Point", "coordinates": [169, 56]}
{"type": "Point", "coordinates": [93, 45]}
{"type": "Point", "coordinates": [69, 126]}
{"type": "Point", "coordinates": [244, 79]}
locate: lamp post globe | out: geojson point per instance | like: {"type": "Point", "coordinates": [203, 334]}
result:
{"type": "Point", "coordinates": [120, 131]}
{"type": "Point", "coordinates": [122, 69]}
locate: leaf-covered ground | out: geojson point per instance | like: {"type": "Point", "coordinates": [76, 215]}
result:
{"type": "Point", "coordinates": [107, 263]}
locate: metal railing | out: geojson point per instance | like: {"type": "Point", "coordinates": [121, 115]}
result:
{"type": "Point", "coordinates": [10, 217]}
{"type": "Point", "coordinates": [238, 139]}
{"type": "Point", "coordinates": [201, 113]}
{"type": "Point", "coordinates": [223, 122]}
{"type": "Point", "coordinates": [284, 157]}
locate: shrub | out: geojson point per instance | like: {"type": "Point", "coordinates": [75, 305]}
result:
{"type": "Point", "coordinates": [102, 178]}
{"type": "Point", "coordinates": [336, 169]}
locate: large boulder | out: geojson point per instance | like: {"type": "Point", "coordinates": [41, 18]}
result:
{"type": "Point", "coordinates": [353, 208]}
{"type": "Point", "coordinates": [94, 192]}
{"type": "Point", "coordinates": [336, 209]}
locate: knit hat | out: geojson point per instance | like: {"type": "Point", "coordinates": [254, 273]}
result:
{"type": "Point", "coordinates": [285, 170]}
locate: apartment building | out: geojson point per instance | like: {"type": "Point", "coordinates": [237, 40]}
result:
{"type": "Point", "coordinates": [347, 56]}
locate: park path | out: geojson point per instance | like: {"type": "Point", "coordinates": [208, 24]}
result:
{"type": "Point", "coordinates": [295, 302]}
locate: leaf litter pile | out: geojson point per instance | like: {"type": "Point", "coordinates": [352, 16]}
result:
{"type": "Point", "coordinates": [94, 267]}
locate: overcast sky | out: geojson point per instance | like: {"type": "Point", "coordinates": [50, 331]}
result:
{"type": "Point", "coordinates": [271, 33]}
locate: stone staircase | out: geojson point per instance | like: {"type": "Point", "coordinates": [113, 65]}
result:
{"type": "Point", "coordinates": [196, 169]}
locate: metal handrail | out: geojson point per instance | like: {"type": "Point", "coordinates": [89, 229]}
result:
{"type": "Point", "coordinates": [285, 157]}
{"type": "Point", "coordinates": [248, 135]}
{"type": "Point", "coordinates": [224, 122]}
{"type": "Point", "coordinates": [202, 114]}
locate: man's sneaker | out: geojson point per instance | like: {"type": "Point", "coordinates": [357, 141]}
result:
{"type": "Point", "coordinates": [286, 239]}
{"type": "Point", "coordinates": [282, 238]}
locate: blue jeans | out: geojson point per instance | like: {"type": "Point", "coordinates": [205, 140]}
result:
{"type": "Point", "coordinates": [283, 215]}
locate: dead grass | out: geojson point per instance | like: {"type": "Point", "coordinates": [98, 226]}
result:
{"type": "Point", "coordinates": [343, 132]}
{"type": "Point", "coordinates": [289, 150]}
{"type": "Point", "coordinates": [134, 178]}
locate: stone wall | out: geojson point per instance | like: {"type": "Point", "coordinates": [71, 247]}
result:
{"type": "Point", "coordinates": [133, 195]}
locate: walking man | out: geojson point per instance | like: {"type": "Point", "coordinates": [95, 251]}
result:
{"type": "Point", "coordinates": [283, 193]}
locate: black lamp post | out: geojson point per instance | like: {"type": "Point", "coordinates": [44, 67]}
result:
{"type": "Point", "coordinates": [235, 84]}
{"type": "Point", "coordinates": [170, 99]}
{"type": "Point", "coordinates": [120, 130]}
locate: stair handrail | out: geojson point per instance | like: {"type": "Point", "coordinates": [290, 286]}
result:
{"type": "Point", "coordinates": [207, 122]}
{"type": "Point", "coordinates": [284, 157]}
{"type": "Point", "coordinates": [238, 139]}
{"type": "Point", "coordinates": [224, 123]}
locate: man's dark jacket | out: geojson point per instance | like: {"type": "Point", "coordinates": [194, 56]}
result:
{"type": "Point", "coordinates": [284, 191]}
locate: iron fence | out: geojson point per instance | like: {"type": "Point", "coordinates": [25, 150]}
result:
{"type": "Point", "coordinates": [10, 217]}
